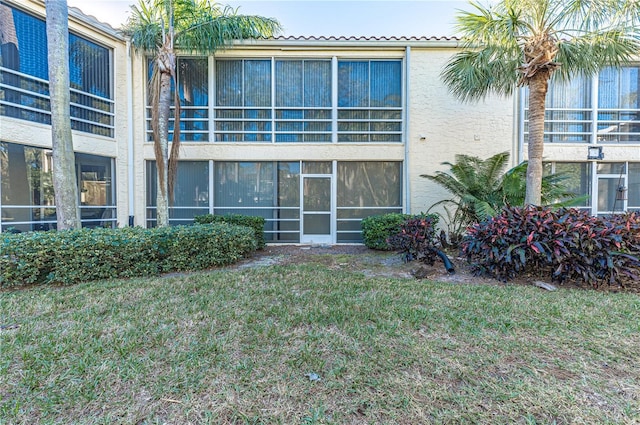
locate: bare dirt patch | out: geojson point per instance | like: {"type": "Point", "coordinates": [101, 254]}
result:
{"type": "Point", "coordinates": [359, 258]}
{"type": "Point", "coordinates": [371, 262]}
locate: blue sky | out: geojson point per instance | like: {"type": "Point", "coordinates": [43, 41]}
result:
{"type": "Point", "coordinates": [324, 18]}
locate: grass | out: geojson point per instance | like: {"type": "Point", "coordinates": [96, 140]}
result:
{"type": "Point", "coordinates": [237, 347]}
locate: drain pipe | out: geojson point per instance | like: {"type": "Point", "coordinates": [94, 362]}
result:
{"type": "Point", "coordinates": [407, 183]}
{"type": "Point", "coordinates": [447, 263]}
{"type": "Point", "coordinates": [130, 144]}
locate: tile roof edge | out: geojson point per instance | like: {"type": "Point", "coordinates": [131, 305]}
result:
{"type": "Point", "coordinates": [94, 22]}
{"type": "Point", "coordinates": [365, 38]}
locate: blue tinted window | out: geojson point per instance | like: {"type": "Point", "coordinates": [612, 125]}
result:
{"type": "Point", "coordinates": [89, 63]}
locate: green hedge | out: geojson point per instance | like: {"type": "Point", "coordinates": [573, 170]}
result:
{"type": "Point", "coordinates": [377, 229]}
{"type": "Point", "coordinates": [256, 223]}
{"type": "Point", "coordinates": [68, 257]}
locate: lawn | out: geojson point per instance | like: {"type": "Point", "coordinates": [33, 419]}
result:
{"type": "Point", "coordinates": [303, 344]}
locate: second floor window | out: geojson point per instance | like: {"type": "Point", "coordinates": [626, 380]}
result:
{"type": "Point", "coordinates": [603, 109]}
{"type": "Point", "coordinates": [24, 91]}
{"type": "Point", "coordinates": [271, 100]}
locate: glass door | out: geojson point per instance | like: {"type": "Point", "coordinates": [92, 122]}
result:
{"type": "Point", "coordinates": [316, 214]}
{"type": "Point", "coordinates": [611, 189]}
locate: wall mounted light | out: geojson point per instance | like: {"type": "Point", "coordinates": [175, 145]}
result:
{"type": "Point", "coordinates": [595, 152]}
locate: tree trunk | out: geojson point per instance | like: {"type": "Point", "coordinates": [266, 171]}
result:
{"type": "Point", "coordinates": [64, 169]}
{"type": "Point", "coordinates": [538, 86]}
{"type": "Point", "coordinates": [162, 152]}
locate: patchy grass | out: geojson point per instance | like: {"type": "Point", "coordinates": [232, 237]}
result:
{"type": "Point", "coordinates": [238, 347]}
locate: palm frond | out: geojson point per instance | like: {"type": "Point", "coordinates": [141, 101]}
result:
{"type": "Point", "coordinates": [472, 75]}
{"type": "Point", "coordinates": [448, 182]}
{"type": "Point", "coordinates": [492, 169]}
{"type": "Point", "coordinates": [210, 29]}
{"type": "Point", "coordinates": [577, 17]}
{"type": "Point", "coordinates": [585, 35]}
{"type": "Point", "coordinates": [513, 184]}
{"type": "Point", "coordinates": [144, 27]}
{"type": "Point", "coordinates": [588, 54]}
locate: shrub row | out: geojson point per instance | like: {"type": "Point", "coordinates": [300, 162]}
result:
{"type": "Point", "coordinates": [256, 223]}
{"type": "Point", "coordinates": [68, 257]}
{"type": "Point", "coordinates": [566, 243]}
{"type": "Point", "coordinates": [377, 229]}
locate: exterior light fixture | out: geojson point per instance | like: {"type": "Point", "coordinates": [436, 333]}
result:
{"type": "Point", "coordinates": [595, 152]}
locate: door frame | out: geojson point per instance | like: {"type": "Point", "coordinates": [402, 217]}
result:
{"type": "Point", "coordinates": [329, 238]}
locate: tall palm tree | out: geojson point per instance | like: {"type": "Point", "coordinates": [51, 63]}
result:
{"type": "Point", "coordinates": [524, 42]}
{"type": "Point", "coordinates": [165, 28]}
{"type": "Point", "coordinates": [64, 174]}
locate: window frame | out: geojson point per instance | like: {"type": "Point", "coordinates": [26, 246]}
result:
{"type": "Point", "coordinates": [275, 123]}
{"type": "Point", "coordinates": [593, 125]}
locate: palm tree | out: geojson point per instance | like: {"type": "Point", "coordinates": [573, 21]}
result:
{"type": "Point", "coordinates": [64, 175]}
{"type": "Point", "coordinates": [164, 28]}
{"type": "Point", "coordinates": [525, 42]}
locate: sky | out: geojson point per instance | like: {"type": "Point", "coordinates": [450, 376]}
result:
{"type": "Point", "coordinates": [323, 18]}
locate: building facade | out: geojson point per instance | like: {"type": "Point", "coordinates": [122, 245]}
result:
{"type": "Point", "coordinates": [313, 134]}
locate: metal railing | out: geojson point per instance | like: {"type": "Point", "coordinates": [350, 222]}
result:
{"type": "Point", "coordinates": [26, 97]}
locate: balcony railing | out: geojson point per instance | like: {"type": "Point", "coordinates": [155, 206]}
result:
{"type": "Point", "coordinates": [25, 97]}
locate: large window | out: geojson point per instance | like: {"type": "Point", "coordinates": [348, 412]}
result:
{"type": "Point", "coordinates": [366, 189]}
{"type": "Point", "coordinates": [605, 109]}
{"type": "Point", "coordinates": [619, 106]}
{"type": "Point", "coordinates": [617, 187]}
{"type": "Point", "coordinates": [26, 189]}
{"type": "Point", "coordinates": [577, 179]}
{"type": "Point", "coordinates": [24, 87]}
{"type": "Point", "coordinates": [369, 101]}
{"type": "Point", "coordinates": [243, 101]}
{"type": "Point", "coordinates": [193, 89]}
{"type": "Point", "coordinates": [303, 101]}
{"type": "Point", "coordinates": [265, 189]}
{"type": "Point", "coordinates": [281, 192]}
{"type": "Point", "coordinates": [191, 192]}
{"type": "Point", "coordinates": [604, 187]}
{"type": "Point", "coordinates": [269, 100]}
{"type": "Point", "coordinates": [295, 105]}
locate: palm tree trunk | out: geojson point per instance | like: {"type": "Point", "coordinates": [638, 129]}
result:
{"type": "Point", "coordinates": [64, 169]}
{"type": "Point", "coordinates": [162, 150]}
{"type": "Point", "coordinates": [538, 86]}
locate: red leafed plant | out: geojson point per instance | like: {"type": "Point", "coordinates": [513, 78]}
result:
{"type": "Point", "coordinates": [565, 244]}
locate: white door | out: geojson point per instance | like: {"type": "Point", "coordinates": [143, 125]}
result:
{"type": "Point", "coordinates": [317, 219]}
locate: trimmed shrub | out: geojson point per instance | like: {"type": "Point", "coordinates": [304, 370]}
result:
{"type": "Point", "coordinates": [567, 244]}
{"type": "Point", "coordinates": [377, 229]}
{"type": "Point", "coordinates": [68, 257]}
{"type": "Point", "coordinates": [416, 240]}
{"type": "Point", "coordinates": [256, 223]}
{"type": "Point", "coordinates": [203, 246]}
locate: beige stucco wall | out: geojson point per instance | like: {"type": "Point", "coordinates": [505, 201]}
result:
{"type": "Point", "coordinates": [578, 152]}
{"type": "Point", "coordinates": [441, 126]}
